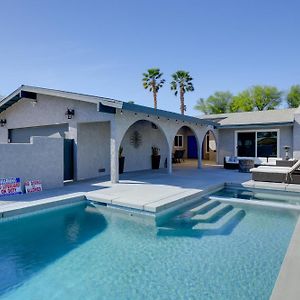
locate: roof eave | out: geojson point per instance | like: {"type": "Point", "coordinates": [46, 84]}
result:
{"type": "Point", "coordinates": [255, 125]}
{"type": "Point", "coordinates": [163, 113]}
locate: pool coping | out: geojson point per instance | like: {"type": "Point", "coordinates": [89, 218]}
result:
{"type": "Point", "coordinates": [287, 284]}
{"type": "Point", "coordinates": [23, 208]}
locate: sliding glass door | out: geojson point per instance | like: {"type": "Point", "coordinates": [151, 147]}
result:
{"type": "Point", "coordinates": [246, 144]}
{"type": "Point", "coordinates": [267, 144]}
{"type": "Point", "coordinates": [257, 143]}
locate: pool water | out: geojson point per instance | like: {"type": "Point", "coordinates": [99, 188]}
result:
{"type": "Point", "coordinates": [85, 252]}
{"type": "Point", "coordinates": [259, 194]}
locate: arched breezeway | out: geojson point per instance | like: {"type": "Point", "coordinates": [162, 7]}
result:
{"type": "Point", "coordinates": [136, 134]}
{"type": "Point", "coordinates": [186, 149]}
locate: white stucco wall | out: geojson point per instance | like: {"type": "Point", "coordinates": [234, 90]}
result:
{"type": "Point", "coordinates": [93, 150]}
{"type": "Point", "coordinates": [140, 158]}
{"type": "Point", "coordinates": [48, 111]}
{"type": "Point", "coordinates": [41, 159]}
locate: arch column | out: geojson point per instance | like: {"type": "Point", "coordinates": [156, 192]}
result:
{"type": "Point", "coordinates": [114, 153]}
{"type": "Point", "coordinates": [199, 163]}
{"type": "Point", "coordinates": [170, 152]}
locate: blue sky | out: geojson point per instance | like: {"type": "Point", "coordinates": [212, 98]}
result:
{"type": "Point", "coordinates": [103, 47]}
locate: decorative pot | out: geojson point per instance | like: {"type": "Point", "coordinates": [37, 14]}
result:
{"type": "Point", "coordinates": [155, 161]}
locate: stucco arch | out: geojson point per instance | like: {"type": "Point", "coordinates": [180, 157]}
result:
{"type": "Point", "coordinates": [214, 132]}
{"type": "Point", "coordinates": [194, 131]}
{"type": "Point", "coordinates": [208, 154]}
{"type": "Point", "coordinates": [137, 141]}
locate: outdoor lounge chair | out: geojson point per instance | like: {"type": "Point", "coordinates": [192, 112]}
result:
{"type": "Point", "coordinates": [277, 174]}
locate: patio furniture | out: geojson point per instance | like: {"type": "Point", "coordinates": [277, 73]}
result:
{"type": "Point", "coordinates": [178, 156]}
{"type": "Point", "coordinates": [277, 174]}
{"type": "Point", "coordinates": [232, 162]}
{"type": "Point", "coordinates": [245, 165]}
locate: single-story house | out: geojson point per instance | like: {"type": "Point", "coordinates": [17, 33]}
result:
{"type": "Point", "coordinates": [55, 136]}
{"type": "Point", "coordinates": [258, 134]}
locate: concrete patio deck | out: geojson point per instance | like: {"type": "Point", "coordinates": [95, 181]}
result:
{"type": "Point", "coordinates": [148, 191]}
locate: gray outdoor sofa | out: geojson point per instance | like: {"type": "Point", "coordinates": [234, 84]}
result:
{"type": "Point", "coordinates": [277, 173]}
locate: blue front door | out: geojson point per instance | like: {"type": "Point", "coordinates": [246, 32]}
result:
{"type": "Point", "coordinates": [192, 149]}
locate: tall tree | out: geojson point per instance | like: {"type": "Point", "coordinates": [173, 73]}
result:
{"type": "Point", "coordinates": [152, 81]}
{"type": "Point", "coordinates": [182, 83]}
{"type": "Point", "coordinates": [217, 103]}
{"type": "Point", "coordinates": [293, 97]}
{"type": "Point", "coordinates": [257, 98]}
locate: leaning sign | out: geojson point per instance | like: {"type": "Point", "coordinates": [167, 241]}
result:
{"type": "Point", "coordinates": [10, 186]}
{"type": "Point", "coordinates": [33, 186]}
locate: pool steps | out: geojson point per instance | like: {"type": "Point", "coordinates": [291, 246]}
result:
{"type": "Point", "coordinates": [217, 219]}
{"type": "Point", "coordinates": [220, 208]}
{"type": "Point", "coordinates": [204, 207]}
{"type": "Point", "coordinates": [221, 222]}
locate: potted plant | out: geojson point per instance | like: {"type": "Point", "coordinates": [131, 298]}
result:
{"type": "Point", "coordinates": [121, 160]}
{"type": "Point", "coordinates": [155, 157]}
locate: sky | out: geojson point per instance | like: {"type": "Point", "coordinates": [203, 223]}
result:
{"type": "Point", "coordinates": [103, 47]}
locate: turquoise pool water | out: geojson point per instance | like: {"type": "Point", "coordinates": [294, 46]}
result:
{"type": "Point", "coordinates": [81, 252]}
{"type": "Point", "coordinates": [259, 194]}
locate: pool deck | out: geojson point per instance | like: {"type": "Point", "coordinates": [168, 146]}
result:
{"type": "Point", "coordinates": [147, 191]}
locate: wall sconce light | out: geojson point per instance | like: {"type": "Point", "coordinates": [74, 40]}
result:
{"type": "Point", "coordinates": [34, 102]}
{"type": "Point", "coordinates": [70, 113]}
{"type": "Point", "coordinates": [3, 122]}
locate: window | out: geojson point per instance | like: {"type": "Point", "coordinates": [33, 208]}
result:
{"type": "Point", "coordinates": [257, 143]}
{"type": "Point", "coordinates": [178, 141]}
{"type": "Point", "coordinates": [266, 144]}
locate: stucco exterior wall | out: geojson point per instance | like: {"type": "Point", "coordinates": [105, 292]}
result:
{"type": "Point", "coordinates": [41, 159]}
{"type": "Point", "coordinates": [296, 135]}
{"type": "Point", "coordinates": [23, 135]}
{"type": "Point", "coordinates": [93, 150]}
{"type": "Point", "coordinates": [48, 111]}
{"type": "Point", "coordinates": [226, 138]}
{"type": "Point", "coordinates": [139, 158]}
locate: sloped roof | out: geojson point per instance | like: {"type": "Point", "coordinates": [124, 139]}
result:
{"type": "Point", "coordinates": [268, 117]}
{"type": "Point", "coordinates": [26, 91]}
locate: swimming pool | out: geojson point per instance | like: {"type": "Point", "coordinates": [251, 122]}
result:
{"type": "Point", "coordinates": [206, 251]}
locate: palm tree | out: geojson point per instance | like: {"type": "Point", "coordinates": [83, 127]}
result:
{"type": "Point", "coordinates": [182, 82]}
{"type": "Point", "coordinates": [152, 81]}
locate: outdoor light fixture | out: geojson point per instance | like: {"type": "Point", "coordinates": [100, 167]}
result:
{"type": "Point", "coordinates": [286, 149]}
{"type": "Point", "coordinates": [70, 113]}
{"type": "Point", "coordinates": [2, 122]}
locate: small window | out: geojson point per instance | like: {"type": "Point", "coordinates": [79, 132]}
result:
{"type": "Point", "coordinates": [178, 141]}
